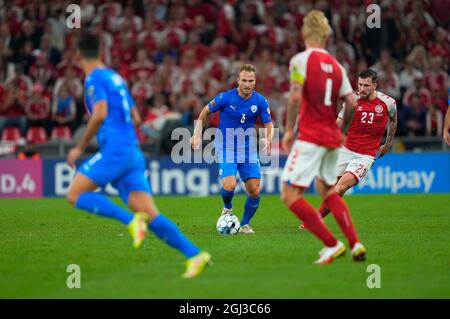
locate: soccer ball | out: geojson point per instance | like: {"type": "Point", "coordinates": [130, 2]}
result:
{"type": "Point", "coordinates": [228, 224]}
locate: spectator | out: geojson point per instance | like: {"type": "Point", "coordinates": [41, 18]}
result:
{"type": "Point", "coordinates": [434, 121]}
{"type": "Point", "coordinates": [17, 91]}
{"type": "Point", "coordinates": [64, 107]}
{"type": "Point", "coordinates": [413, 118]}
{"type": "Point", "coordinates": [418, 88]}
{"type": "Point", "coordinates": [38, 109]}
{"type": "Point", "coordinates": [436, 80]}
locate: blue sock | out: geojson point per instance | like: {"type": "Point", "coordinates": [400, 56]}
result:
{"type": "Point", "coordinates": [100, 204]}
{"type": "Point", "coordinates": [167, 231]}
{"type": "Point", "coordinates": [227, 197]}
{"type": "Point", "coordinates": [250, 207]}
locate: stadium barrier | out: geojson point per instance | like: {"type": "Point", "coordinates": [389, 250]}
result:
{"type": "Point", "coordinates": [394, 173]}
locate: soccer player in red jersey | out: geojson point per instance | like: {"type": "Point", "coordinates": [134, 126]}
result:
{"type": "Point", "coordinates": [362, 145]}
{"type": "Point", "coordinates": [318, 82]}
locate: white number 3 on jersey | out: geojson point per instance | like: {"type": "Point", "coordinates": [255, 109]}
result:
{"type": "Point", "coordinates": [243, 118]}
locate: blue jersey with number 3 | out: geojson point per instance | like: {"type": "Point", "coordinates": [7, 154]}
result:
{"type": "Point", "coordinates": [117, 131]}
{"type": "Point", "coordinates": [238, 113]}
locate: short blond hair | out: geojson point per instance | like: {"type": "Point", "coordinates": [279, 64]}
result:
{"type": "Point", "coordinates": [247, 67]}
{"type": "Point", "coordinates": [316, 27]}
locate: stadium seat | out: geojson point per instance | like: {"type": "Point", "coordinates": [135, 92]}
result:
{"type": "Point", "coordinates": [11, 134]}
{"type": "Point", "coordinates": [61, 133]}
{"type": "Point", "coordinates": [36, 135]}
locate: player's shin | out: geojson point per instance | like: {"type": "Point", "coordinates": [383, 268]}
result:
{"type": "Point", "coordinates": [341, 212]}
{"type": "Point", "coordinates": [313, 222]}
{"type": "Point", "coordinates": [99, 204]}
{"type": "Point", "coordinates": [323, 210]}
{"type": "Point", "coordinates": [227, 197]}
{"type": "Point", "coordinates": [168, 232]}
{"type": "Point", "coordinates": [250, 207]}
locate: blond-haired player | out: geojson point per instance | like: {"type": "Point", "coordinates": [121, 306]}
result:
{"type": "Point", "coordinates": [318, 81]}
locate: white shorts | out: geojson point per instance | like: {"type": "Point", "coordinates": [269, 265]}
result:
{"type": "Point", "coordinates": [354, 163]}
{"type": "Point", "coordinates": [306, 161]}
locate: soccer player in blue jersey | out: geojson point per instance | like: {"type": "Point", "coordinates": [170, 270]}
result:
{"type": "Point", "coordinates": [120, 161]}
{"type": "Point", "coordinates": [234, 142]}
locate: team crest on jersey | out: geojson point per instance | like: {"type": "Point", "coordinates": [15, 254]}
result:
{"type": "Point", "coordinates": [254, 108]}
{"type": "Point", "coordinates": [379, 109]}
{"type": "Point", "coordinates": [90, 91]}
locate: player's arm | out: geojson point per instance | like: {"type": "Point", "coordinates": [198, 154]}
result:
{"type": "Point", "coordinates": [99, 113]}
{"type": "Point", "coordinates": [269, 136]}
{"type": "Point", "coordinates": [391, 130]}
{"type": "Point", "coordinates": [349, 110]}
{"type": "Point", "coordinates": [340, 117]}
{"type": "Point", "coordinates": [293, 105]}
{"type": "Point", "coordinates": [198, 130]}
{"type": "Point", "coordinates": [136, 117]}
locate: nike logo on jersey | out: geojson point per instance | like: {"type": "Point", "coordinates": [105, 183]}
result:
{"type": "Point", "coordinates": [233, 107]}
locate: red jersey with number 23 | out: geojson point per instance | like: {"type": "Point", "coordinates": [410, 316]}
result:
{"type": "Point", "coordinates": [324, 81]}
{"type": "Point", "coordinates": [369, 123]}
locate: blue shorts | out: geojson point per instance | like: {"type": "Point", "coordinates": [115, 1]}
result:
{"type": "Point", "coordinates": [246, 170]}
{"type": "Point", "coordinates": [125, 172]}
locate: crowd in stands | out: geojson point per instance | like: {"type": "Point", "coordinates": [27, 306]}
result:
{"type": "Point", "coordinates": [177, 54]}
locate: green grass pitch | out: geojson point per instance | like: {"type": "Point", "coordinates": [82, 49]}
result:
{"type": "Point", "coordinates": [406, 235]}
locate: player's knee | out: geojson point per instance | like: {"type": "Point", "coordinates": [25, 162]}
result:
{"type": "Point", "coordinates": [341, 188]}
{"type": "Point", "coordinates": [286, 198]}
{"type": "Point", "coordinates": [254, 191]}
{"type": "Point", "coordinates": [229, 186]}
{"type": "Point", "coordinates": [72, 197]}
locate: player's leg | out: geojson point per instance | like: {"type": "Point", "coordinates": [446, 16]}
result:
{"type": "Point", "coordinates": [344, 158]}
{"type": "Point", "coordinates": [301, 167]}
{"type": "Point", "coordinates": [81, 194]}
{"type": "Point", "coordinates": [227, 173]}
{"type": "Point", "coordinates": [135, 191]}
{"type": "Point", "coordinates": [332, 200]}
{"type": "Point", "coordinates": [251, 175]}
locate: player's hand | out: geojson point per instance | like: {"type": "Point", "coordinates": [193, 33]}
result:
{"type": "Point", "coordinates": [288, 140]}
{"type": "Point", "coordinates": [73, 155]}
{"type": "Point", "coordinates": [195, 142]}
{"type": "Point", "coordinates": [446, 137]}
{"type": "Point", "coordinates": [267, 146]}
{"type": "Point", "coordinates": [383, 150]}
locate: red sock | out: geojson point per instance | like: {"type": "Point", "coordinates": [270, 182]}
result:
{"type": "Point", "coordinates": [323, 210]}
{"type": "Point", "coordinates": [340, 211]}
{"type": "Point", "coordinates": [313, 221]}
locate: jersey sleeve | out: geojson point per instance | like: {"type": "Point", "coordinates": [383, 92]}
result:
{"type": "Point", "coordinates": [217, 103]}
{"type": "Point", "coordinates": [94, 93]}
{"type": "Point", "coordinates": [392, 107]}
{"type": "Point", "coordinates": [346, 87]}
{"type": "Point", "coordinates": [297, 69]}
{"type": "Point", "coordinates": [264, 111]}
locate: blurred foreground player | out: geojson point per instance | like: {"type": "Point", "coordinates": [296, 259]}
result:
{"type": "Point", "coordinates": [318, 81]}
{"type": "Point", "coordinates": [120, 161]}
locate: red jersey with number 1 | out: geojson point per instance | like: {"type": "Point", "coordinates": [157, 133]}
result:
{"type": "Point", "coordinates": [369, 123]}
{"type": "Point", "coordinates": [324, 81]}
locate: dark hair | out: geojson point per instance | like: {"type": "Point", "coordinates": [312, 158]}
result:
{"type": "Point", "coordinates": [369, 73]}
{"type": "Point", "coordinates": [88, 46]}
